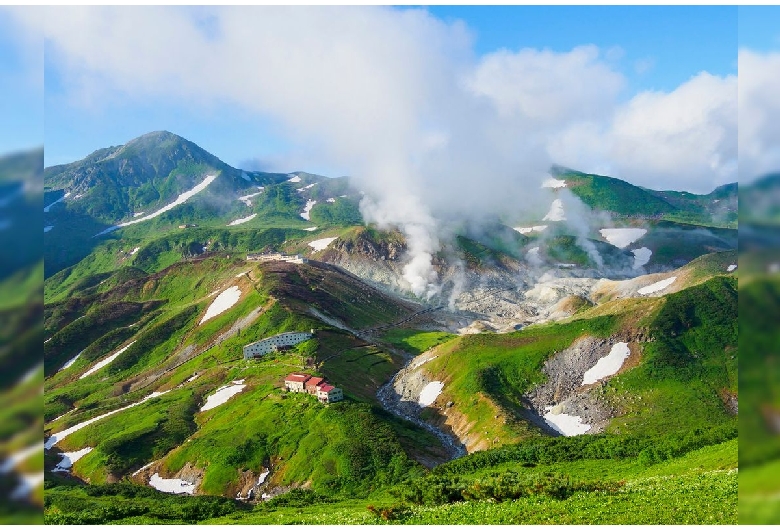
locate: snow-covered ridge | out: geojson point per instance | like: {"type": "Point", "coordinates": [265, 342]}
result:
{"type": "Point", "coordinates": [181, 199]}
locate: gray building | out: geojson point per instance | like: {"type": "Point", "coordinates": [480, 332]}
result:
{"type": "Point", "coordinates": [271, 344]}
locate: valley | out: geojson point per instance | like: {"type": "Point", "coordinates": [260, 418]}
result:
{"type": "Point", "coordinates": [560, 374]}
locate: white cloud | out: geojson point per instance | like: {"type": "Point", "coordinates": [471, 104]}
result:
{"type": "Point", "coordinates": [759, 114]}
{"type": "Point", "coordinates": [398, 98]}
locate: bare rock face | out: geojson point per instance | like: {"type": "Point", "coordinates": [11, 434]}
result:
{"type": "Point", "coordinates": [564, 390]}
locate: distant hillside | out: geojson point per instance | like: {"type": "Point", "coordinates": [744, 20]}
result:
{"type": "Point", "coordinates": [718, 208]}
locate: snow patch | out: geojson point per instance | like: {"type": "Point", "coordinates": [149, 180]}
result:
{"type": "Point", "coordinates": [430, 393]}
{"type": "Point", "coordinates": [147, 466]}
{"type": "Point", "coordinates": [181, 199]}
{"type": "Point", "coordinates": [622, 237]}
{"type": "Point", "coordinates": [108, 360]}
{"type": "Point", "coordinates": [138, 214]}
{"type": "Point", "coordinates": [607, 365]}
{"type": "Point", "coordinates": [731, 268]}
{"type": "Point", "coordinates": [311, 229]}
{"type": "Point", "coordinates": [245, 176]}
{"type": "Point", "coordinates": [309, 205]}
{"type": "Point", "coordinates": [657, 286]}
{"type": "Point", "coordinates": [56, 437]}
{"type": "Point", "coordinates": [47, 228]}
{"type": "Point", "coordinates": [322, 244]}
{"type": "Point", "coordinates": [70, 362]}
{"type": "Point", "coordinates": [222, 395]}
{"type": "Point", "coordinates": [136, 249]}
{"type": "Point", "coordinates": [556, 212]}
{"type": "Point", "coordinates": [246, 199]}
{"type": "Point", "coordinates": [296, 178]}
{"type": "Point", "coordinates": [29, 481]}
{"type": "Point", "coordinates": [420, 363]}
{"type": "Point", "coordinates": [305, 187]}
{"type": "Point", "coordinates": [12, 461]}
{"type": "Point", "coordinates": [171, 485]}
{"type": "Point", "coordinates": [554, 183]}
{"type": "Point", "coordinates": [529, 229]}
{"type": "Point", "coordinates": [566, 424]}
{"type": "Point", "coordinates": [330, 199]}
{"type": "Point", "coordinates": [68, 459]}
{"type": "Point", "coordinates": [46, 210]}
{"type": "Point", "coordinates": [242, 220]}
{"type": "Point", "coordinates": [222, 303]}
{"type": "Point", "coordinates": [641, 257]}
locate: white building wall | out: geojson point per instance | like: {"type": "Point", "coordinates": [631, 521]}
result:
{"type": "Point", "coordinates": [262, 347]}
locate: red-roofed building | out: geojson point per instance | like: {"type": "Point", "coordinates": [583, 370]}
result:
{"type": "Point", "coordinates": [296, 382]}
{"type": "Point", "coordinates": [329, 394]}
{"type": "Point", "coordinates": [312, 384]}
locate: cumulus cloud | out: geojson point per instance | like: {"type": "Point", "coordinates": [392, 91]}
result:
{"type": "Point", "coordinates": [398, 98]}
{"type": "Point", "coordinates": [759, 114]}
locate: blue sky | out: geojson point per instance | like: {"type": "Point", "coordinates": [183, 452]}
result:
{"type": "Point", "coordinates": [655, 48]}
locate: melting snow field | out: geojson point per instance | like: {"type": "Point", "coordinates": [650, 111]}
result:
{"type": "Point", "coordinates": [222, 395]}
{"type": "Point", "coordinates": [306, 187]}
{"type": "Point", "coordinates": [181, 199]}
{"type": "Point", "coordinates": [296, 178]}
{"type": "Point", "coordinates": [556, 212]}
{"type": "Point", "coordinates": [70, 362]}
{"type": "Point", "coordinates": [607, 365]}
{"type": "Point", "coordinates": [47, 228]}
{"type": "Point", "coordinates": [171, 485]}
{"type": "Point", "coordinates": [309, 205]}
{"type": "Point", "coordinates": [242, 220]}
{"type": "Point", "coordinates": [529, 229]}
{"type": "Point", "coordinates": [104, 362]}
{"type": "Point", "coordinates": [420, 363]}
{"type": "Point", "coordinates": [641, 257]}
{"type": "Point", "coordinates": [138, 214]}
{"type": "Point", "coordinates": [622, 237]}
{"type": "Point", "coordinates": [222, 303]}
{"type": "Point", "coordinates": [554, 183]}
{"type": "Point", "coordinates": [430, 393]}
{"type": "Point", "coordinates": [46, 210]}
{"type": "Point", "coordinates": [565, 424]}
{"type": "Point", "coordinates": [657, 286]}
{"type": "Point", "coordinates": [68, 459]}
{"type": "Point", "coordinates": [322, 244]}
{"type": "Point", "coordinates": [731, 268]}
{"type": "Point", "coordinates": [20, 456]}
{"type": "Point", "coordinates": [56, 437]}
{"type": "Point", "coordinates": [247, 199]}
{"type": "Point", "coordinates": [311, 229]}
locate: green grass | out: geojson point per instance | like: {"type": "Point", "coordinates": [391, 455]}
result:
{"type": "Point", "coordinates": [416, 341]}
